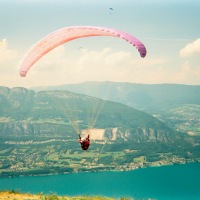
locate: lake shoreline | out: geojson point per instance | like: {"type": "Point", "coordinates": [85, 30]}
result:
{"type": "Point", "coordinates": [140, 166]}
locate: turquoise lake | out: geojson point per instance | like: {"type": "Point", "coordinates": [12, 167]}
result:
{"type": "Point", "coordinates": [167, 182]}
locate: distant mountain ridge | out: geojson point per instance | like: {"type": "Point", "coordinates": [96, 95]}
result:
{"type": "Point", "coordinates": [140, 96]}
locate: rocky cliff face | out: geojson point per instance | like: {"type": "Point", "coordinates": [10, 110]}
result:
{"type": "Point", "coordinates": [146, 134]}
{"type": "Point", "coordinates": [137, 135]}
{"type": "Point", "coordinates": [40, 129]}
{"type": "Point", "coordinates": [27, 128]}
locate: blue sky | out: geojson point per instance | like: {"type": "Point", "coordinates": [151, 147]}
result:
{"type": "Point", "coordinates": [169, 29]}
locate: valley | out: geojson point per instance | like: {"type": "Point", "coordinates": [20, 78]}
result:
{"type": "Point", "coordinates": [40, 156]}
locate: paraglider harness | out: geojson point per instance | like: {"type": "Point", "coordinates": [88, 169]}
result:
{"type": "Point", "coordinates": [85, 142]}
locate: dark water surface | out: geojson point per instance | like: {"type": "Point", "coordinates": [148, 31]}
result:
{"type": "Point", "coordinates": [167, 182]}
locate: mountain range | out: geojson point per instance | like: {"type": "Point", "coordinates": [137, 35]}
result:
{"type": "Point", "coordinates": [175, 104]}
{"type": "Point", "coordinates": [146, 97]}
{"type": "Point", "coordinates": [57, 112]}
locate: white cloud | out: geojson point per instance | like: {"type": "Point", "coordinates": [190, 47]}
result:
{"type": "Point", "coordinates": [63, 66]}
{"type": "Point", "coordinates": [191, 49]}
{"type": "Point", "coordinates": [3, 43]}
{"type": "Point", "coordinates": [9, 58]}
{"type": "Point", "coordinates": [187, 74]}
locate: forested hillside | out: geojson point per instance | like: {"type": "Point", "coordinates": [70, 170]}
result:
{"type": "Point", "coordinates": [24, 111]}
{"type": "Point", "coordinates": [175, 104]}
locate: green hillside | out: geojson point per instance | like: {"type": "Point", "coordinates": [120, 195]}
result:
{"type": "Point", "coordinates": [175, 104]}
{"type": "Point", "coordinates": [61, 109]}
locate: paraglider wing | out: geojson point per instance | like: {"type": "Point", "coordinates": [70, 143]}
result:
{"type": "Point", "coordinates": [66, 34]}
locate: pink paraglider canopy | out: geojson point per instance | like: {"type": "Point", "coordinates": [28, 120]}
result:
{"type": "Point", "coordinates": [66, 34]}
